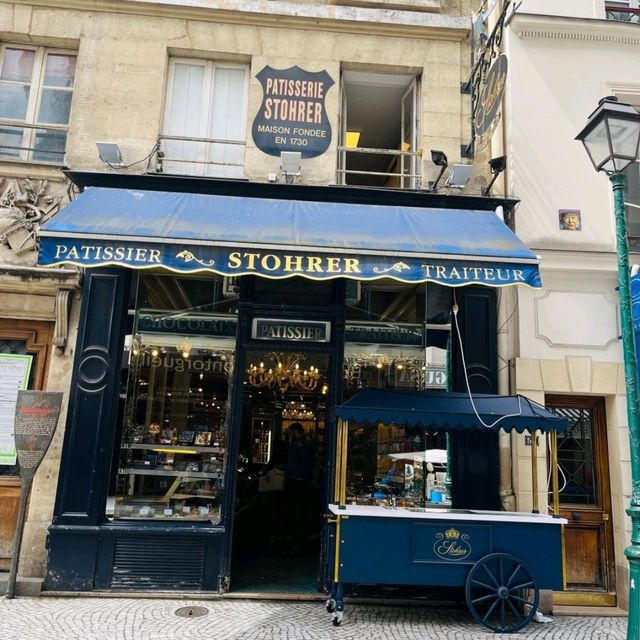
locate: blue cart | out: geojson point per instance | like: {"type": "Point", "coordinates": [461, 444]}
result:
{"type": "Point", "coordinates": [502, 559]}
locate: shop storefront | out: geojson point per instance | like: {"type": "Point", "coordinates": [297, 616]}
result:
{"type": "Point", "coordinates": [220, 323]}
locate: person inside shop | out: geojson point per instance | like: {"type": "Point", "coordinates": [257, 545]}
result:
{"type": "Point", "coordinates": [298, 487]}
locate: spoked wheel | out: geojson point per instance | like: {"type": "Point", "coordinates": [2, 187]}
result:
{"type": "Point", "coordinates": [501, 593]}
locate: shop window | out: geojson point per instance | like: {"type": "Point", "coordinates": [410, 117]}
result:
{"type": "Point", "coordinates": [379, 130]}
{"type": "Point", "coordinates": [178, 363]}
{"type": "Point", "coordinates": [36, 87]}
{"type": "Point", "coordinates": [396, 336]}
{"type": "Point", "coordinates": [623, 10]}
{"type": "Point", "coordinates": [205, 119]}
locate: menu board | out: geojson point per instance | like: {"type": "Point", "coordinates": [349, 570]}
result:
{"type": "Point", "coordinates": [14, 377]}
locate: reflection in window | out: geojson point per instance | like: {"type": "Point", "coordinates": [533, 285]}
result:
{"type": "Point", "coordinates": [36, 87]}
{"type": "Point", "coordinates": [576, 457]}
{"type": "Point", "coordinates": [387, 463]}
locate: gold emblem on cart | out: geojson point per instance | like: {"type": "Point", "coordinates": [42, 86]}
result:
{"type": "Point", "coordinates": [452, 545]}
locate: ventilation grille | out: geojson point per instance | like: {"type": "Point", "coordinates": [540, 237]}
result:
{"type": "Point", "coordinates": [145, 563]}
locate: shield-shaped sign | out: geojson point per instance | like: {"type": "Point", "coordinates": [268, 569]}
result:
{"type": "Point", "coordinates": [292, 116]}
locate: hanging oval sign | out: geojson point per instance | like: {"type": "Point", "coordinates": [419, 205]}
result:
{"type": "Point", "coordinates": [292, 116]}
{"type": "Point", "coordinates": [487, 110]}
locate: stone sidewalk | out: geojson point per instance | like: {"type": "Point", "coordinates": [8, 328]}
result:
{"type": "Point", "coordinates": [81, 618]}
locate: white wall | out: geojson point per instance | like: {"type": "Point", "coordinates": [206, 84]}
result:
{"type": "Point", "coordinates": [554, 83]}
{"type": "Point", "coordinates": [574, 8]}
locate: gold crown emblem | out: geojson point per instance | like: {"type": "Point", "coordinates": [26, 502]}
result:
{"type": "Point", "coordinates": [452, 534]}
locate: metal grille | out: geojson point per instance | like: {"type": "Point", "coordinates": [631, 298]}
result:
{"type": "Point", "coordinates": [149, 562]}
{"type": "Point", "coordinates": [13, 347]}
{"type": "Point", "coordinates": [576, 457]}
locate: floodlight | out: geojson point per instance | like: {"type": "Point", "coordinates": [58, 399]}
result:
{"type": "Point", "coordinates": [109, 153]}
{"type": "Point", "coordinates": [459, 176]}
{"type": "Point", "coordinates": [290, 164]}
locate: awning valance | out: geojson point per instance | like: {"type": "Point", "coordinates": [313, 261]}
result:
{"type": "Point", "coordinates": [275, 238]}
{"type": "Point", "coordinates": [448, 411]}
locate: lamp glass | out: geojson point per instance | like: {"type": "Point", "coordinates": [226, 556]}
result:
{"type": "Point", "coordinates": [597, 145]}
{"type": "Point", "coordinates": [625, 135]}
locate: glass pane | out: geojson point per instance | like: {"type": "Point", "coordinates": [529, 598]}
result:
{"type": "Point", "coordinates": [184, 115]}
{"type": "Point", "coordinates": [226, 120]}
{"type": "Point", "coordinates": [597, 144]}
{"type": "Point", "coordinates": [60, 70]}
{"type": "Point", "coordinates": [173, 446]}
{"type": "Point", "coordinates": [576, 458]}
{"type": "Point", "coordinates": [10, 141]}
{"type": "Point", "coordinates": [18, 65]}
{"type": "Point", "coordinates": [49, 145]}
{"type": "Point", "coordinates": [13, 100]}
{"type": "Point", "coordinates": [55, 106]}
{"type": "Point", "coordinates": [386, 462]}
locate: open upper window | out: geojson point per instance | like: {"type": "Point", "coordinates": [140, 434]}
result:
{"type": "Point", "coordinates": [205, 118]}
{"type": "Point", "coordinates": [36, 86]}
{"type": "Point", "coordinates": [379, 130]}
{"type": "Point", "coordinates": [623, 10]}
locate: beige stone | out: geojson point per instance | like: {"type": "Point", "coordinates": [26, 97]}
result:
{"type": "Point", "coordinates": [579, 369]}
{"type": "Point", "coordinates": [604, 378]}
{"type": "Point", "coordinates": [555, 376]}
{"type": "Point", "coordinates": [528, 375]}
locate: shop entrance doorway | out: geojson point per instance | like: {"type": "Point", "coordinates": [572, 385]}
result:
{"type": "Point", "coordinates": [280, 477]}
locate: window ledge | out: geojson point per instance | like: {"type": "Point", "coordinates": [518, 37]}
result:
{"type": "Point", "coordinates": [11, 168]}
{"type": "Point", "coordinates": [430, 6]}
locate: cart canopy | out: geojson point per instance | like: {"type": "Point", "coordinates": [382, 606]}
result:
{"type": "Point", "coordinates": [448, 411]}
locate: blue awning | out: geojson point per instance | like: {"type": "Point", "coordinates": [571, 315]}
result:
{"type": "Point", "coordinates": [448, 411]}
{"type": "Point", "coordinates": [235, 236]}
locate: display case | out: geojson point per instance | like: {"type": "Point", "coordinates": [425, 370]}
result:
{"type": "Point", "coordinates": [395, 465]}
{"type": "Point", "coordinates": [172, 453]}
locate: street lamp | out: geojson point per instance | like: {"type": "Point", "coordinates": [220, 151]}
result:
{"type": "Point", "coordinates": [611, 138]}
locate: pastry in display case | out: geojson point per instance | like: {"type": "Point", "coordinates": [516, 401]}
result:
{"type": "Point", "coordinates": [172, 453]}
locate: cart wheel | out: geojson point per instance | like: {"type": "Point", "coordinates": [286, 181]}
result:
{"type": "Point", "coordinates": [501, 593]}
{"type": "Point", "coordinates": [331, 605]}
{"type": "Point", "coordinates": [337, 618]}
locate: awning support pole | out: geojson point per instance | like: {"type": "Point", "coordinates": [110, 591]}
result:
{"type": "Point", "coordinates": [534, 471]}
{"type": "Point", "coordinates": [554, 473]}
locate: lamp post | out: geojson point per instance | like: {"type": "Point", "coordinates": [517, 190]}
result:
{"type": "Point", "coordinates": [611, 138]}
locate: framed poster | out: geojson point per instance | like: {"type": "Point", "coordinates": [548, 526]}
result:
{"type": "Point", "coordinates": [14, 377]}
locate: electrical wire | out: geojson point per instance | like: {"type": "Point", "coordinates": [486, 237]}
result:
{"type": "Point", "coordinates": [466, 377]}
{"type": "Point", "coordinates": [155, 149]}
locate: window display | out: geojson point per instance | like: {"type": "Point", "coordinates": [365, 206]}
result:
{"type": "Point", "coordinates": [172, 454]}
{"type": "Point", "coordinates": [392, 465]}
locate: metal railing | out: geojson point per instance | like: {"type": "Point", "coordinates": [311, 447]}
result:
{"type": "Point", "coordinates": [29, 149]}
{"type": "Point", "coordinates": [191, 155]}
{"type": "Point", "coordinates": [398, 167]}
{"type": "Point", "coordinates": [623, 14]}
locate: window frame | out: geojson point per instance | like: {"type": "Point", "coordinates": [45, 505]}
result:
{"type": "Point", "coordinates": [210, 66]}
{"type": "Point", "coordinates": [30, 124]}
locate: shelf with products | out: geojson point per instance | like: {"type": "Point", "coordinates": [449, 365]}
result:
{"type": "Point", "coordinates": [167, 472]}
{"type": "Point", "coordinates": [169, 448]}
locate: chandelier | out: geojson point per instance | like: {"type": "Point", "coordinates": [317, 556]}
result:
{"type": "Point", "coordinates": [297, 411]}
{"type": "Point", "coordinates": [286, 373]}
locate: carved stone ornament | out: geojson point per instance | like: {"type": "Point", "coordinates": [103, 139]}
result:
{"type": "Point", "coordinates": [24, 205]}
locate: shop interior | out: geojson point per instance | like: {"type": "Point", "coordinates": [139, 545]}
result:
{"type": "Point", "coordinates": [278, 510]}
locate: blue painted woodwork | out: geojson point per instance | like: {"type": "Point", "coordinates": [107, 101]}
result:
{"type": "Point", "coordinates": [399, 551]}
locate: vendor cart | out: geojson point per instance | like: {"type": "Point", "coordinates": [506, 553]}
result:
{"type": "Point", "coordinates": [502, 559]}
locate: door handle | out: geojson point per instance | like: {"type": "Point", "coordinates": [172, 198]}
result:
{"type": "Point", "coordinates": [605, 517]}
{"type": "Point", "coordinates": [576, 515]}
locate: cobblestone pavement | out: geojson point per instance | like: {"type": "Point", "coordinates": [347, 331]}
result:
{"type": "Point", "coordinates": [154, 619]}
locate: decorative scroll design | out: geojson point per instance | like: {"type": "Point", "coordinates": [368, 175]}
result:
{"type": "Point", "coordinates": [489, 52]}
{"type": "Point", "coordinates": [63, 306]}
{"type": "Point", "coordinates": [187, 256]}
{"type": "Point", "coordinates": [24, 205]}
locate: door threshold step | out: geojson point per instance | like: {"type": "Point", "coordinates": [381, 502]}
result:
{"type": "Point", "coordinates": [574, 610]}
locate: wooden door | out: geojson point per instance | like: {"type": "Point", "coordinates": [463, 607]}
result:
{"type": "Point", "coordinates": [19, 336]}
{"type": "Point", "coordinates": [585, 501]}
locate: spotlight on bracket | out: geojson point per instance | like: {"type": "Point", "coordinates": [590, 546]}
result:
{"type": "Point", "coordinates": [109, 153]}
{"type": "Point", "coordinates": [498, 165]}
{"type": "Point", "coordinates": [438, 158]}
{"type": "Point", "coordinates": [459, 176]}
{"type": "Point", "coordinates": [290, 165]}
